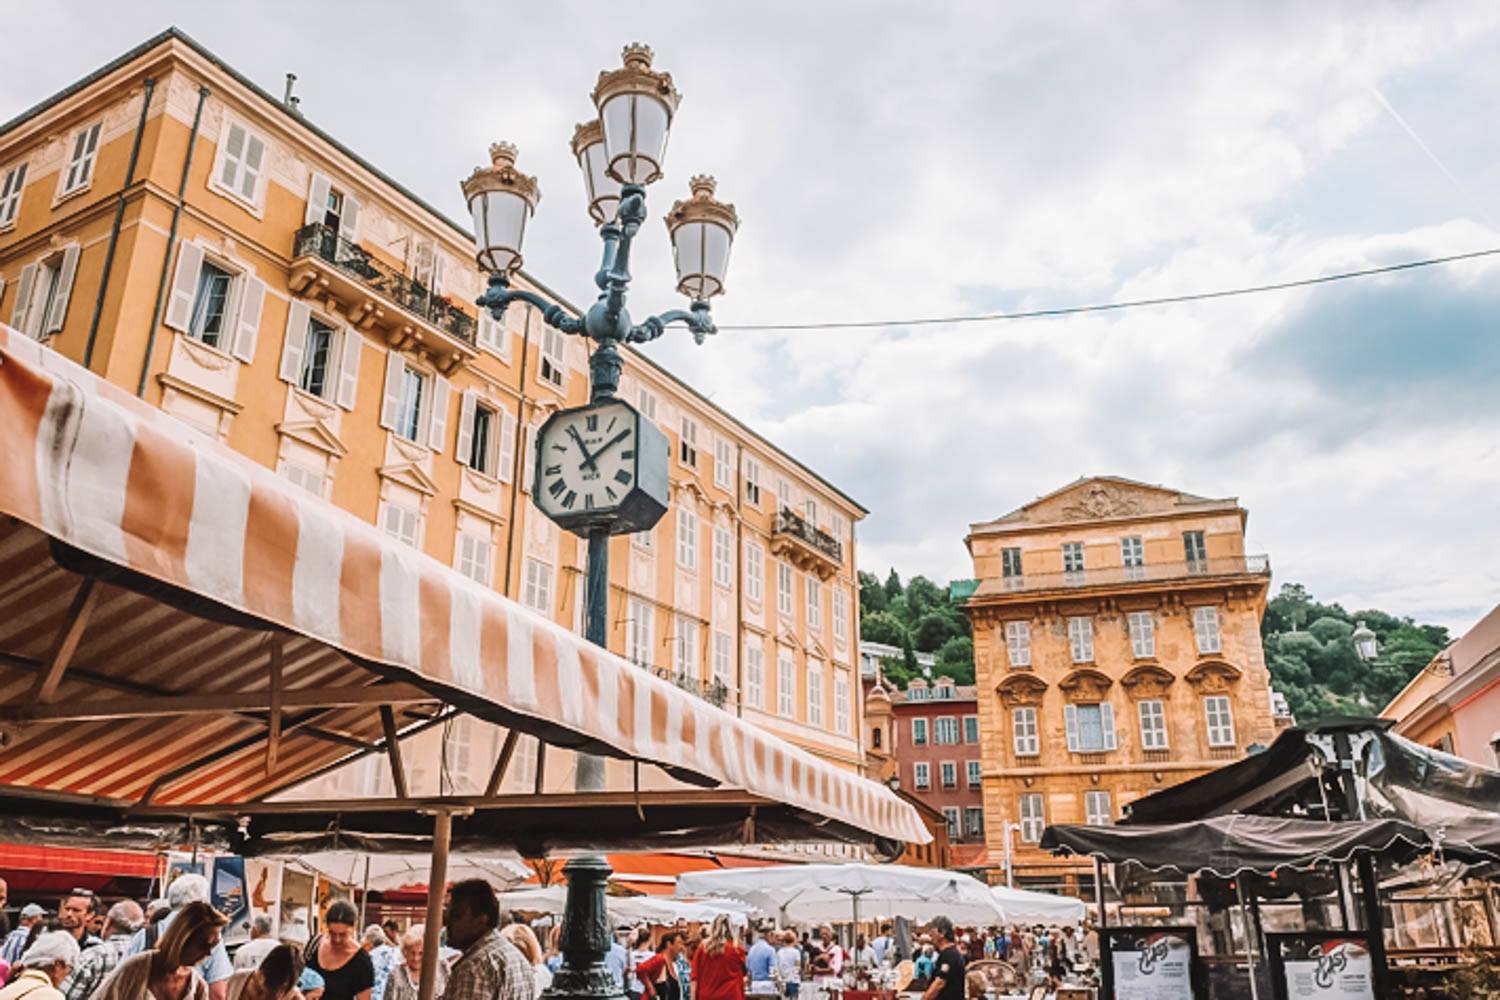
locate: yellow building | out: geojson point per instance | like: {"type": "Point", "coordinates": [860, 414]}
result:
{"type": "Point", "coordinates": [200, 243]}
{"type": "Point", "coordinates": [1117, 651]}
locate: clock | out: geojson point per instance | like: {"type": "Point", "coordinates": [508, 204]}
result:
{"type": "Point", "coordinates": [601, 467]}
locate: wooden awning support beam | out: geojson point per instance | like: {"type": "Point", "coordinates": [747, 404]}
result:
{"type": "Point", "coordinates": [507, 750]}
{"type": "Point", "coordinates": [273, 721]}
{"type": "Point", "coordinates": [221, 703]}
{"type": "Point", "coordinates": [393, 750]}
{"type": "Point", "coordinates": [524, 800]}
{"type": "Point", "coordinates": [67, 642]}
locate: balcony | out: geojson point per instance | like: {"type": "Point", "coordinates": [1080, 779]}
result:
{"type": "Point", "coordinates": [1124, 576]}
{"type": "Point", "coordinates": [804, 545]}
{"type": "Point", "coordinates": [712, 691]}
{"type": "Point", "coordinates": [325, 264]}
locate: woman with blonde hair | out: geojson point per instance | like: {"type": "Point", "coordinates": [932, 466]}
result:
{"type": "Point", "coordinates": [524, 938]}
{"type": "Point", "coordinates": [719, 964]}
{"type": "Point", "coordinates": [167, 972]}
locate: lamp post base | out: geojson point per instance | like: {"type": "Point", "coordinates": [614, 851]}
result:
{"type": "Point", "coordinates": [585, 935]}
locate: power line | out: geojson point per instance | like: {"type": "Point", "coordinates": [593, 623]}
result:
{"type": "Point", "coordinates": [1222, 293]}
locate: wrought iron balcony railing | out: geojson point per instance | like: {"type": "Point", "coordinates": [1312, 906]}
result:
{"type": "Point", "coordinates": [788, 522]}
{"type": "Point", "coordinates": [317, 240]}
{"type": "Point", "coordinates": [1112, 575]}
{"type": "Point", "coordinates": [714, 691]}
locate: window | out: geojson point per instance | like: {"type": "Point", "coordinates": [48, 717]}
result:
{"type": "Point", "coordinates": [317, 353]}
{"type": "Point", "coordinates": [841, 701]}
{"type": "Point", "coordinates": [1091, 728]}
{"type": "Point", "coordinates": [241, 158]}
{"type": "Point", "coordinates": [837, 526]}
{"type": "Point", "coordinates": [536, 592]}
{"type": "Point", "coordinates": [211, 305]}
{"type": "Point", "coordinates": [840, 614]}
{"type": "Point", "coordinates": [723, 463]}
{"type": "Point", "coordinates": [755, 571]}
{"type": "Point", "coordinates": [1194, 551]}
{"type": "Point", "coordinates": [945, 731]}
{"type": "Point", "coordinates": [783, 493]}
{"type": "Point", "coordinates": [1206, 629]}
{"type": "Point", "coordinates": [687, 442]}
{"type": "Point", "coordinates": [10, 194]}
{"type": "Point", "coordinates": [1032, 818]}
{"type": "Point", "coordinates": [1023, 731]}
{"type": "Point", "coordinates": [1096, 809]}
{"type": "Point", "coordinates": [1220, 721]}
{"type": "Point", "coordinates": [308, 478]}
{"type": "Point", "coordinates": [687, 539]}
{"type": "Point", "coordinates": [486, 438]}
{"type": "Point", "coordinates": [1153, 724]}
{"type": "Point", "coordinates": [875, 738]}
{"type": "Point", "coordinates": [723, 566]}
{"type": "Point", "coordinates": [783, 588]}
{"type": "Point", "coordinates": [752, 481]}
{"type": "Point", "coordinates": [644, 540]}
{"type": "Point", "coordinates": [474, 556]}
{"type": "Point", "coordinates": [493, 336]}
{"type": "Point", "coordinates": [551, 369]}
{"type": "Point", "coordinates": [723, 642]}
{"type": "Point", "coordinates": [638, 631]}
{"type": "Point", "coordinates": [685, 648]}
{"type": "Point", "coordinates": [755, 674]}
{"type": "Point", "coordinates": [1018, 643]}
{"type": "Point", "coordinates": [971, 729]}
{"type": "Point", "coordinates": [921, 775]}
{"type": "Point", "coordinates": [1081, 639]}
{"type": "Point", "coordinates": [814, 592]}
{"type": "Point", "coordinates": [948, 770]}
{"type": "Point", "coordinates": [1073, 558]}
{"type": "Point", "coordinates": [1132, 553]}
{"type": "Point", "coordinates": [43, 293]}
{"type": "Point", "coordinates": [400, 522]}
{"type": "Point", "coordinates": [814, 692]}
{"type": "Point", "coordinates": [810, 511]}
{"type": "Point", "coordinates": [919, 732]}
{"type": "Point", "coordinates": [786, 698]}
{"type": "Point", "coordinates": [950, 813]}
{"type": "Point", "coordinates": [973, 821]}
{"type": "Point", "coordinates": [971, 773]}
{"type": "Point", "coordinates": [83, 151]}
{"type": "Point", "coordinates": [1142, 634]}
{"type": "Point", "coordinates": [1010, 563]}
{"type": "Point", "coordinates": [645, 401]}
{"type": "Point", "coordinates": [409, 415]}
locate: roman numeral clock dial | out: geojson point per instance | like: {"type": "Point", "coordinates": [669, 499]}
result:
{"type": "Point", "coordinates": [601, 465]}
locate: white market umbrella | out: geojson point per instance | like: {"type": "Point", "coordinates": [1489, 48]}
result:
{"type": "Point", "coordinates": [384, 872]}
{"type": "Point", "coordinates": [1023, 906]}
{"type": "Point", "coordinates": [552, 899]}
{"type": "Point", "coordinates": [817, 893]}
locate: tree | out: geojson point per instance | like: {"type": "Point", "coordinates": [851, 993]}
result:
{"type": "Point", "coordinates": [882, 626]}
{"type": "Point", "coordinates": [933, 629]}
{"type": "Point", "coordinates": [892, 585]}
{"type": "Point", "coordinates": [956, 659]}
{"type": "Point", "coordinates": [871, 595]}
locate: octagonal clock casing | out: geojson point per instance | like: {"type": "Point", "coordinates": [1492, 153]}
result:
{"type": "Point", "coordinates": [588, 476]}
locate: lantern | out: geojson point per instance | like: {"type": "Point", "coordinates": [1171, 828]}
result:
{"type": "Point", "coordinates": [702, 230]}
{"type": "Point", "coordinates": [501, 199]}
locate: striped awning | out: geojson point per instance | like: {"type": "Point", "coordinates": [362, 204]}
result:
{"type": "Point", "coordinates": [139, 560]}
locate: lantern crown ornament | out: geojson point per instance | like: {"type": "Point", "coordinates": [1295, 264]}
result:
{"type": "Point", "coordinates": [702, 229]}
{"type": "Point", "coordinates": [501, 200]}
{"type": "Point", "coordinates": [636, 104]}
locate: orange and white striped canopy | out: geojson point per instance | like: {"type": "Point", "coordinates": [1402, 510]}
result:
{"type": "Point", "coordinates": [87, 468]}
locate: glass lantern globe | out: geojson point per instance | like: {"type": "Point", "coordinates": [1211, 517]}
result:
{"type": "Point", "coordinates": [636, 105]}
{"type": "Point", "coordinates": [702, 230]}
{"type": "Point", "coordinates": [603, 190]}
{"type": "Point", "coordinates": [1366, 645]}
{"type": "Point", "coordinates": [501, 200]}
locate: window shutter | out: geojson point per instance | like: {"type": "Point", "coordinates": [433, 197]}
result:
{"type": "Point", "coordinates": [23, 292]}
{"type": "Point", "coordinates": [349, 221]}
{"type": "Point", "coordinates": [297, 318]}
{"type": "Point", "coordinates": [390, 405]}
{"type": "Point", "coordinates": [354, 346]}
{"type": "Point", "coordinates": [529, 472]}
{"type": "Point", "coordinates": [1070, 720]}
{"type": "Point", "coordinates": [505, 458]}
{"type": "Point", "coordinates": [465, 428]}
{"type": "Point", "coordinates": [437, 421]}
{"type": "Point", "coordinates": [318, 188]}
{"type": "Point", "coordinates": [184, 286]}
{"type": "Point", "coordinates": [1107, 721]}
{"type": "Point", "coordinates": [438, 260]}
{"type": "Point", "coordinates": [252, 306]}
{"type": "Point", "coordinates": [64, 289]}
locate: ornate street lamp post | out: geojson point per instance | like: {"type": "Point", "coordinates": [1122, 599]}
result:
{"type": "Point", "coordinates": [602, 469]}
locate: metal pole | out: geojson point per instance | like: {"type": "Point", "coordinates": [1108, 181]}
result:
{"type": "Point", "coordinates": [1369, 888]}
{"type": "Point", "coordinates": [854, 899]}
{"type": "Point", "coordinates": [1099, 892]}
{"type": "Point", "coordinates": [1010, 868]}
{"type": "Point", "coordinates": [437, 887]}
{"type": "Point", "coordinates": [364, 894]}
{"type": "Point", "coordinates": [585, 935]}
{"type": "Point", "coordinates": [590, 774]}
{"type": "Point", "coordinates": [1239, 890]}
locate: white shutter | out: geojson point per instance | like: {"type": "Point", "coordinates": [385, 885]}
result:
{"type": "Point", "coordinates": [437, 420]}
{"type": "Point", "coordinates": [247, 326]}
{"type": "Point", "coordinates": [528, 473]}
{"type": "Point", "coordinates": [317, 198]}
{"type": "Point", "coordinates": [292, 347]}
{"type": "Point", "coordinates": [64, 290]}
{"type": "Point", "coordinates": [354, 346]}
{"type": "Point", "coordinates": [1070, 720]}
{"type": "Point", "coordinates": [1107, 721]}
{"type": "Point", "coordinates": [390, 405]}
{"type": "Point", "coordinates": [438, 260]}
{"type": "Point", "coordinates": [184, 286]}
{"type": "Point", "coordinates": [23, 293]}
{"type": "Point", "coordinates": [349, 219]}
{"type": "Point", "coordinates": [465, 428]}
{"type": "Point", "coordinates": [505, 458]}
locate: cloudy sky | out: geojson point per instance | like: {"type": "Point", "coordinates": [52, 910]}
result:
{"type": "Point", "coordinates": [900, 161]}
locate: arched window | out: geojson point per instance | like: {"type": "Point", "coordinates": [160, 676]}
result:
{"type": "Point", "coordinates": [875, 738]}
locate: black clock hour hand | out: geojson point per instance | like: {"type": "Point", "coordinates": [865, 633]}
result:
{"type": "Point", "coordinates": [612, 442]}
{"type": "Point", "coordinates": [588, 459]}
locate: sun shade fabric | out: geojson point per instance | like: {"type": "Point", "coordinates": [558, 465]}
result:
{"type": "Point", "coordinates": [828, 892]}
{"type": "Point", "coordinates": [1027, 907]}
{"type": "Point", "coordinates": [1228, 845]}
{"type": "Point", "coordinates": [102, 472]}
{"type": "Point", "coordinates": [387, 872]}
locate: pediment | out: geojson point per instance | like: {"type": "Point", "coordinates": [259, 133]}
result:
{"type": "Point", "coordinates": [788, 637]}
{"type": "Point", "coordinates": [410, 476]}
{"type": "Point", "coordinates": [815, 648]}
{"type": "Point", "coordinates": [1094, 498]}
{"type": "Point", "coordinates": [1021, 689]}
{"type": "Point", "coordinates": [1147, 681]}
{"type": "Point", "coordinates": [1086, 684]}
{"type": "Point", "coordinates": [1213, 676]}
{"type": "Point", "coordinates": [314, 434]}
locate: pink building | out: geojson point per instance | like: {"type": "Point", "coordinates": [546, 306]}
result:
{"type": "Point", "coordinates": [1454, 703]}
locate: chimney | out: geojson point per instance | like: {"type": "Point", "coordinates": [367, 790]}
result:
{"type": "Point", "coordinates": [291, 102]}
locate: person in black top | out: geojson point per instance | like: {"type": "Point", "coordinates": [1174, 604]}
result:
{"type": "Point", "coordinates": [948, 975]}
{"type": "Point", "coordinates": [346, 968]}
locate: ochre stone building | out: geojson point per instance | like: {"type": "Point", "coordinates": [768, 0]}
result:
{"type": "Point", "coordinates": [203, 244]}
{"type": "Point", "coordinates": [1117, 651]}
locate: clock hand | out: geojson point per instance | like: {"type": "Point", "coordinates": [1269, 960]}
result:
{"type": "Point", "coordinates": [588, 459]}
{"type": "Point", "coordinates": [611, 443]}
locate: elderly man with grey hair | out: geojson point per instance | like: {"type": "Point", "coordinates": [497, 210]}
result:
{"type": "Point", "coordinates": [216, 968]}
{"type": "Point", "coordinates": [43, 968]}
{"type": "Point", "coordinates": [261, 944]}
{"type": "Point", "coordinates": [406, 977]}
{"type": "Point", "coordinates": [122, 921]}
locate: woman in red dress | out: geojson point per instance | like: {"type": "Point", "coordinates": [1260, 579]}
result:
{"type": "Point", "coordinates": [719, 965]}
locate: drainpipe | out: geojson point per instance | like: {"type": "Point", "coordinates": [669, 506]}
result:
{"type": "Point", "coordinates": [518, 459]}
{"type": "Point", "coordinates": [114, 231]}
{"type": "Point", "coordinates": [739, 595]}
{"type": "Point", "coordinates": [166, 260]}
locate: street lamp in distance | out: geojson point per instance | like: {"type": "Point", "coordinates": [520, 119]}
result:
{"type": "Point", "coordinates": [1365, 644]}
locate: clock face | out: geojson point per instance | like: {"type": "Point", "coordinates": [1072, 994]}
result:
{"type": "Point", "coordinates": [586, 460]}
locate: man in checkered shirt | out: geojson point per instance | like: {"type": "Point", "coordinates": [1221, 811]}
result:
{"type": "Point", "coordinates": [490, 968]}
{"type": "Point", "coordinates": [123, 920]}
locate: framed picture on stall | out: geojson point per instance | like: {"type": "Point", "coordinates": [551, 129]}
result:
{"type": "Point", "coordinates": [1322, 965]}
{"type": "Point", "coordinates": [1148, 963]}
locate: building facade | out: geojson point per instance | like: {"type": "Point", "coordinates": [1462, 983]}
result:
{"type": "Point", "coordinates": [934, 736]}
{"type": "Point", "coordinates": [1117, 651]}
{"type": "Point", "coordinates": [1453, 704]}
{"type": "Point", "coordinates": [200, 243]}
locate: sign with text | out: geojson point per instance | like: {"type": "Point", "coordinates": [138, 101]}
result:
{"type": "Point", "coordinates": [1149, 963]}
{"type": "Point", "coordinates": [1323, 966]}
